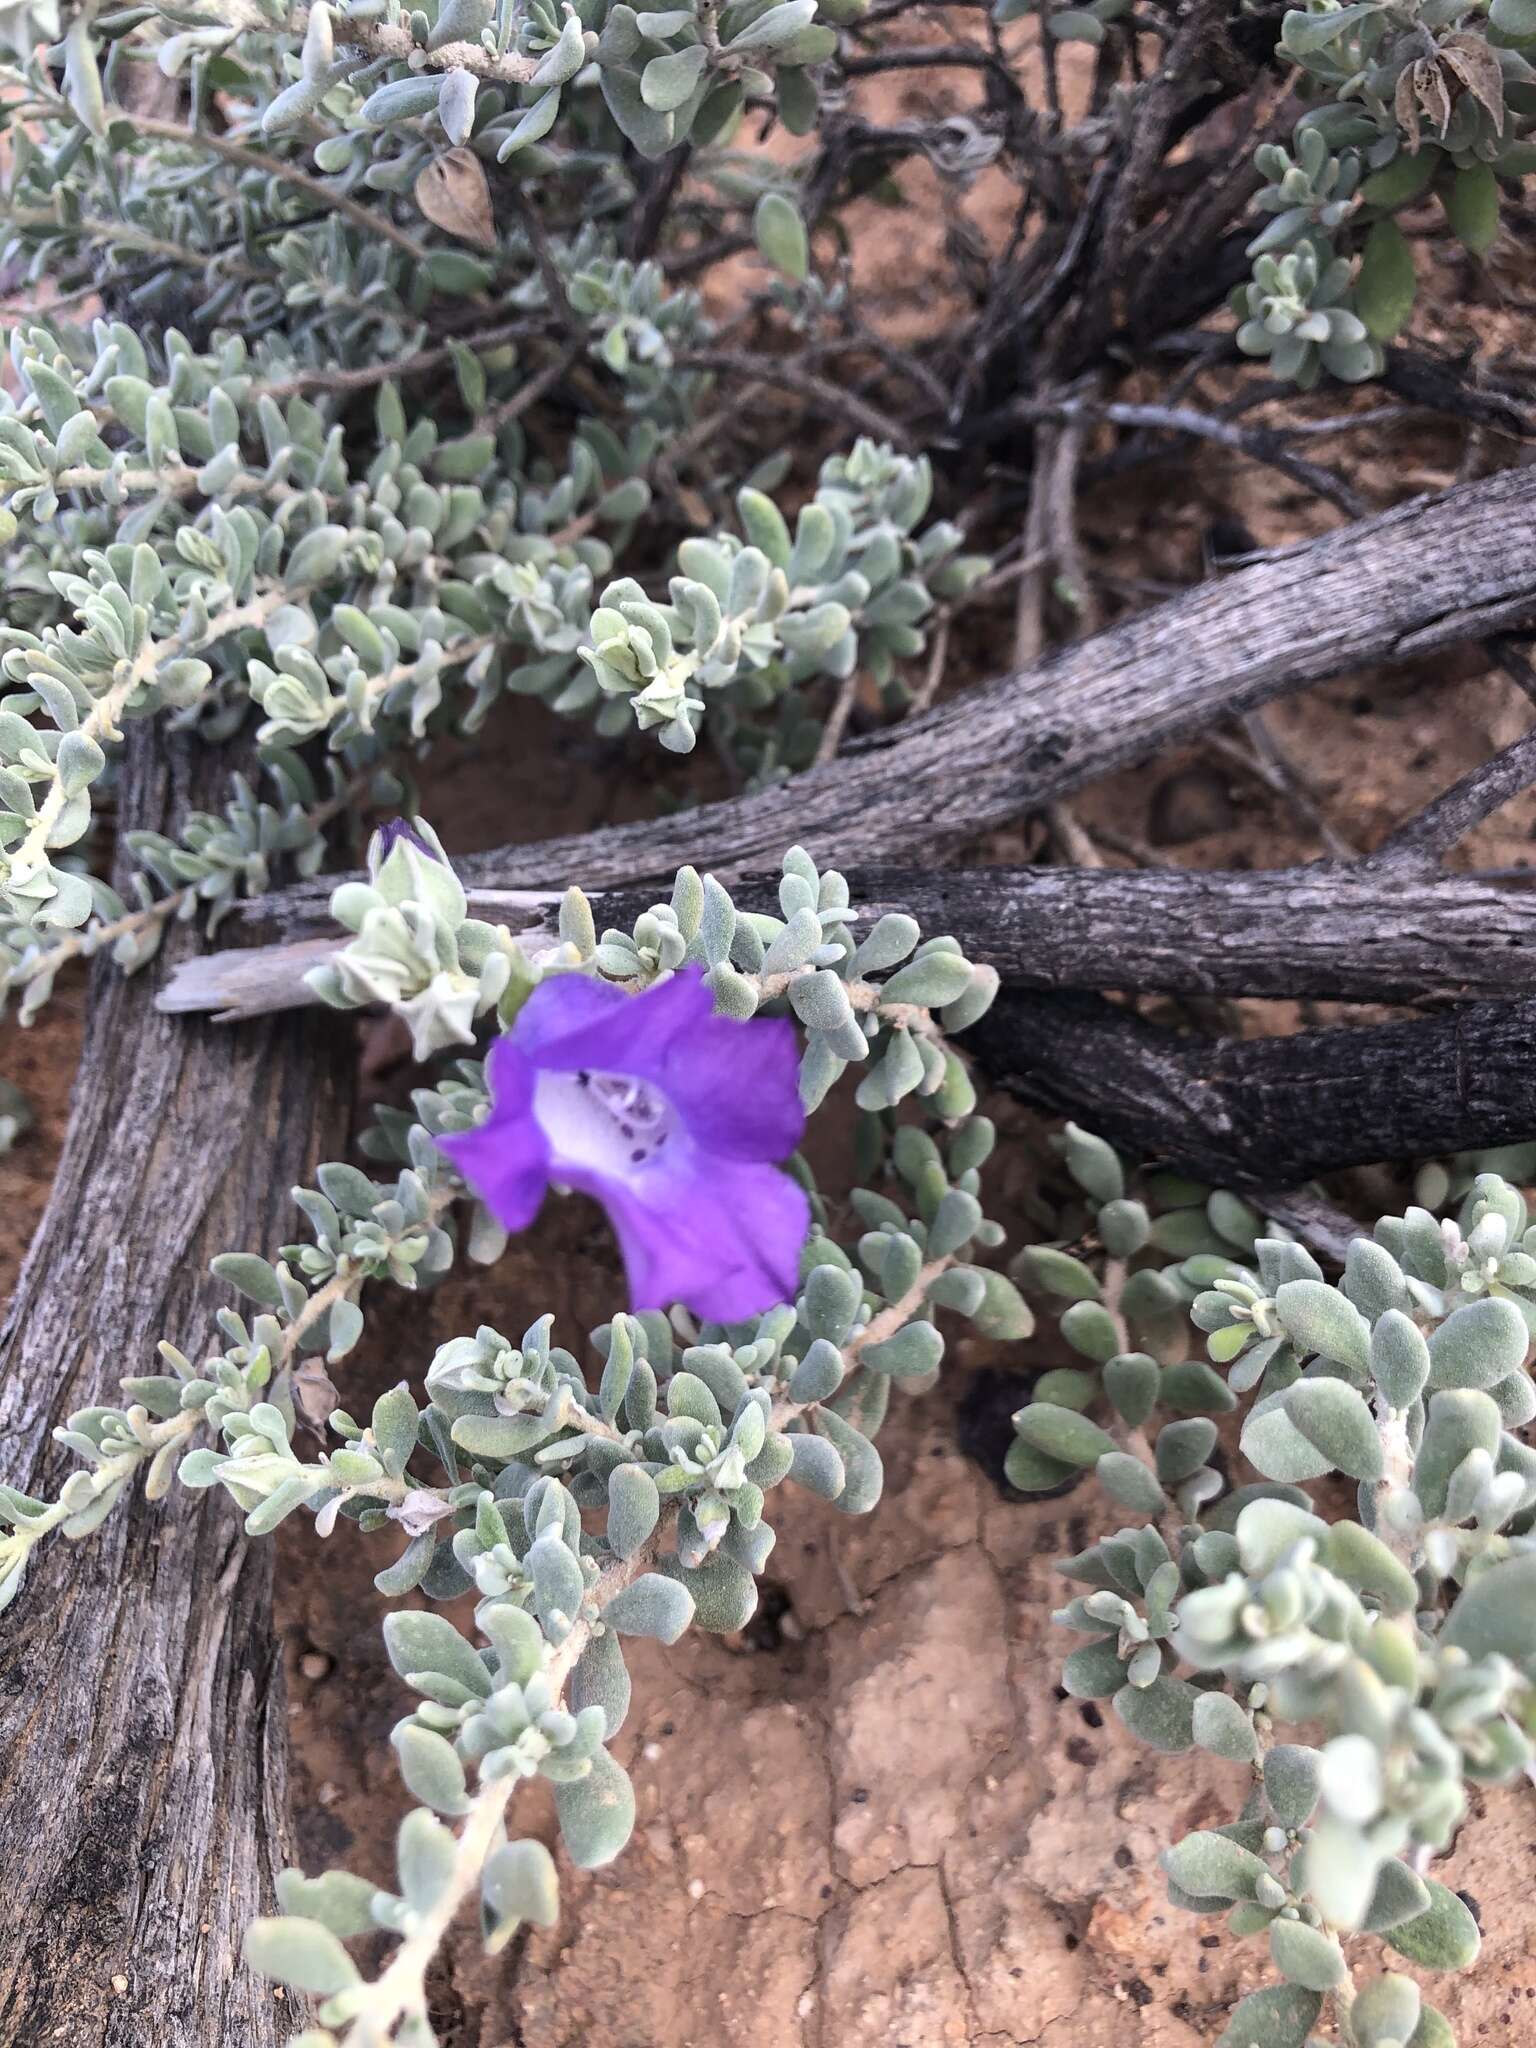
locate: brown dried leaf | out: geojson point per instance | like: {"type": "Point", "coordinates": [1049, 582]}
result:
{"type": "Point", "coordinates": [1405, 107]}
{"type": "Point", "coordinates": [453, 194]}
{"type": "Point", "coordinates": [1433, 92]}
{"type": "Point", "coordinates": [315, 1395]}
{"type": "Point", "coordinates": [1479, 71]}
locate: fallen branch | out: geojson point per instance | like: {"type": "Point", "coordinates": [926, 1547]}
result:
{"type": "Point", "coordinates": [1362, 932]}
{"type": "Point", "coordinates": [143, 1737]}
{"type": "Point", "coordinates": [1422, 577]}
{"type": "Point", "coordinates": [1353, 933]}
{"type": "Point", "coordinates": [1269, 1112]}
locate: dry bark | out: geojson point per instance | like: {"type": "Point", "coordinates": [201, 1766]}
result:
{"type": "Point", "coordinates": [142, 1710]}
{"type": "Point", "coordinates": [1356, 932]}
{"type": "Point", "coordinates": [1434, 571]}
{"type": "Point", "coordinates": [1270, 1112]}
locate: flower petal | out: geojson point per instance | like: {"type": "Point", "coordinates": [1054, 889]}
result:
{"type": "Point", "coordinates": [562, 1005]}
{"type": "Point", "coordinates": [721, 1237]}
{"type": "Point", "coordinates": [505, 1159]}
{"type": "Point", "coordinates": [735, 1084]}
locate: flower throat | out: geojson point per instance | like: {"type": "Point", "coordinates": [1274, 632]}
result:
{"type": "Point", "coordinates": [640, 1115]}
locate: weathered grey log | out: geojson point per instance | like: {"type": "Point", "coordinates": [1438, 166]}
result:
{"type": "Point", "coordinates": [1434, 571]}
{"type": "Point", "coordinates": [142, 1710]}
{"type": "Point", "coordinates": [1270, 1112]}
{"type": "Point", "coordinates": [1357, 933]}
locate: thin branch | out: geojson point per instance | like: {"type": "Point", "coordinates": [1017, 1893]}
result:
{"type": "Point", "coordinates": [1257, 443]}
{"type": "Point", "coordinates": [530, 392]}
{"type": "Point", "coordinates": [1511, 656]}
{"type": "Point", "coordinates": [371, 220]}
{"type": "Point", "coordinates": [1061, 515]}
{"type": "Point", "coordinates": [1265, 759]}
{"type": "Point", "coordinates": [837, 719]}
{"type": "Point", "coordinates": [786, 375]}
{"type": "Point", "coordinates": [659, 195]}
{"type": "Point", "coordinates": [544, 258]}
{"type": "Point", "coordinates": [1463, 392]}
{"type": "Point", "coordinates": [368, 375]}
{"type": "Point", "coordinates": [933, 675]}
{"type": "Point", "coordinates": [955, 54]}
{"type": "Point", "coordinates": [1454, 813]}
{"type": "Point", "coordinates": [1317, 1221]}
{"type": "Point", "coordinates": [97, 228]}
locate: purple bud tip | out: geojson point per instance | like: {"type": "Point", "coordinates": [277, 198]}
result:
{"type": "Point", "coordinates": [393, 830]}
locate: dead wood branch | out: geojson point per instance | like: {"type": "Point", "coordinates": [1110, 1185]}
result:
{"type": "Point", "coordinates": [1269, 1112]}
{"type": "Point", "coordinates": [1430, 573]}
{"type": "Point", "coordinates": [143, 1733]}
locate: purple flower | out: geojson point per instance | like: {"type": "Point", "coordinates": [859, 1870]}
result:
{"type": "Point", "coordinates": [671, 1117]}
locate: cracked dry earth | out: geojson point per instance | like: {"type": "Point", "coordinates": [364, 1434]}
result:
{"type": "Point", "coordinates": [874, 1829]}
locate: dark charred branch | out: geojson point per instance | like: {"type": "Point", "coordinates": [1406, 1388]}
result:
{"type": "Point", "coordinates": [1479, 396]}
{"type": "Point", "coordinates": [1263, 1113]}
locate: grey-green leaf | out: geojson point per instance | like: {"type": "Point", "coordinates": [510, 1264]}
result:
{"type": "Point", "coordinates": [669, 80]}
{"type": "Point", "coordinates": [596, 1813]}
{"type": "Point", "coordinates": [1063, 1434]}
{"type": "Point", "coordinates": [336, 1899]}
{"type": "Point", "coordinates": [520, 1882]}
{"type": "Point", "coordinates": [1291, 1782]}
{"type": "Point", "coordinates": [301, 1953]}
{"type": "Point", "coordinates": [430, 1766]}
{"type": "Point", "coordinates": [430, 1643]}
{"type": "Point", "coordinates": [780, 232]}
{"type": "Point", "coordinates": [1385, 2012]}
{"type": "Point", "coordinates": [1495, 1614]}
{"type": "Point", "coordinates": [1213, 1866]}
{"type": "Point", "coordinates": [817, 1466]}
{"type": "Point", "coordinates": [1399, 1359]}
{"type": "Point", "coordinates": [1130, 1483]}
{"type": "Point", "coordinates": [634, 1508]}
{"type": "Point", "coordinates": [653, 1606]}
{"type": "Point", "coordinates": [1400, 1894]}
{"type": "Point", "coordinates": [1305, 1955]}
{"type": "Point", "coordinates": [1279, 2016]}
{"type": "Point", "coordinates": [1221, 1726]}
{"type": "Point", "coordinates": [1444, 1938]}
{"type": "Point", "coordinates": [862, 1466]}
{"type": "Point", "coordinates": [1161, 1714]}
{"type": "Point", "coordinates": [1478, 1345]}
{"type": "Point", "coordinates": [1318, 1318]}
{"type": "Point", "coordinates": [1333, 1417]}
